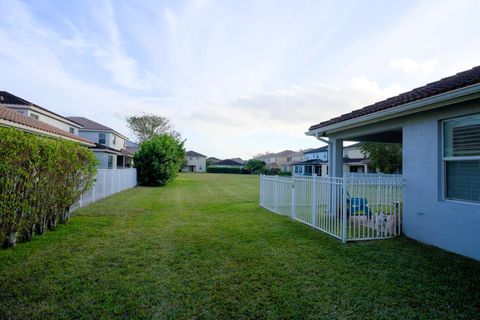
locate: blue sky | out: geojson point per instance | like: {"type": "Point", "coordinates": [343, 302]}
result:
{"type": "Point", "coordinates": [235, 77]}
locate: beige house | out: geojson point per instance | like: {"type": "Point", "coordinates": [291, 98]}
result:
{"type": "Point", "coordinates": [23, 115]}
{"type": "Point", "coordinates": [195, 162]}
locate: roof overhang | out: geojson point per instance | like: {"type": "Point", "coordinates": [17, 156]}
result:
{"type": "Point", "coordinates": [44, 112]}
{"type": "Point", "coordinates": [437, 101]}
{"type": "Point", "coordinates": [6, 123]}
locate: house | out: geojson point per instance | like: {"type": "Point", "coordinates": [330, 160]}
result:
{"type": "Point", "coordinates": [195, 162]}
{"type": "Point", "coordinates": [132, 147]}
{"type": "Point", "coordinates": [316, 161]}
{"type": "Point", "coordinates": [110, 146]}
{"type": "Point", "coordinates": [438, 126]}
{"type": "Point", "coordinates": [229, 163]}
{"type": "Point", "coordinates": [212, 160]}
{"type": "Point", "coordinates": [276, 160]}
{"type": "Point", "coordinates": [18, 113]}
{"type": "Point", "coordinates": [294, 158]}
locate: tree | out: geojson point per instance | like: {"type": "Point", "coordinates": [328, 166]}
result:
{"type": "Point", "coordinates": [159, 159]}
{"type": "Point", "coordinates": [147, 126]}
{"type": "Point", "coordinates": [387, 157]}
{"type": "Point", "coordinates": [255, 166]}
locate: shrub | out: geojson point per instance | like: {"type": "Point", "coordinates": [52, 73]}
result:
{"type": "Point", "coordinates": [255, 166]}
{"type": "Point", "coordinates": [158, 160]}
{"type": "Point", "coordinates": [227, 170]}
{"type": "Point", "coordinates": [272, 172]}
{"type": "Point", "coordinates": [40, 179]}
{"type": "Point", "coordinates": [284, 173]}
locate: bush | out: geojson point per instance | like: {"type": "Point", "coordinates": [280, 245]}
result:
{"type": "Point", "coordinates": [272, 172]}
{"type": "Point", "coordinates": [284, 174]}
{"type": "Point", "coordinates": [40, 179]}
{"type": "Point", "coordinates": [158, 160]}
{"type": "Point", "coordinates": [255, 166]}
{"type": "Point", "coordinates": [227, 170]}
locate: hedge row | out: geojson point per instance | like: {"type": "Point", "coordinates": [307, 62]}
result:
{"type": "Point", "coordinates": [40, 179]}
{"type": "Point", "coordinates": [227, 170]}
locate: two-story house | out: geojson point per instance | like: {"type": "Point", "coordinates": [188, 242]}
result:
{"type": "Point", "coordinates": [194, 162]}
{"type": "Point", "coordinates": [23, 115]}
{"type": "Point", "coordinates": [110, 146]}
{"type": "Point", "coordinates": [316, 161]}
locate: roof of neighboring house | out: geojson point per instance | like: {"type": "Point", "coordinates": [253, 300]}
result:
{"type": "Point", "coordinates": [460, 80]}
{"type": "Point", "coordinates": [324, 148]}
{"type": "Point", "coordinates": [284, 153]}
{"type": "Point", "coordinates": [88, 124]}
{"type": "Point", "coordinates": [15, 119]}
{"type": "Point", "coordinates": [319, 161]}
{"type": "Point", "coordinates": [213, 159]}
{"type": "Point", "coordinates": [194, 154]}
{"type": "Point", "coordinates": [229, 162]}
{"type": "Point", "coordinates": [11, 99]}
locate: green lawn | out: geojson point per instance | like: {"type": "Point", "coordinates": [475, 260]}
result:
{"type": "Point", "coordinates": [202, 248]}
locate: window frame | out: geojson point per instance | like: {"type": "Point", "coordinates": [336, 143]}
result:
{"type": "Point", "coordinates": [104, 139]}
{"type": "Point", "coordinates": [445, 159]}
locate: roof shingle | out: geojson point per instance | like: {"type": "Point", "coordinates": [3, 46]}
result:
{"type": "Point", "coordinates": [18, 118]}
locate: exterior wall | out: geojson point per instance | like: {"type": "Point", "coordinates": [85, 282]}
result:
{"type": "Point", "coordinates": [427, 217]}
{"type": "Point", "coordinates": [103, 160]}
{"type": "Point", "coordinates": [199, 163]}
{"type": "Point", "coordinates": [45, 117]}
{"type": "Point", "coordinates": [323, 155]}
{"type": "Point", "coordinates": [120, 143]}
{"type": "Point", "coordinates": [352, 153]}
{"type": "Point", "coordinates": [454, 226]}
{"type": "Point", "coordinates": [92, 135]}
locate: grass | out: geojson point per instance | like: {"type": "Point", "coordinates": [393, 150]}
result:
{"type": "Point", "coordinates": [202, 248]}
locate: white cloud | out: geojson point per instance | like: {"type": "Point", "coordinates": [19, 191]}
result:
{"type": "Point", "coordinates": [412, 67]}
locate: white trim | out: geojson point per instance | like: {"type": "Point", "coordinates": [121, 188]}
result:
{"type": "Point", "coordinates": [439, 100]}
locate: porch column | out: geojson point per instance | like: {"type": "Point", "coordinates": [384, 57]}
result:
{"type": "Point", "coordinates": [335, 158]}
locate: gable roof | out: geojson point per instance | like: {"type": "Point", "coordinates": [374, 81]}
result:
{"type": "Point", "coordinates": [88, 124]}
{"type": "Point", "coordinates": [284, 153]}
{"type": "Point", "coordinates": [194, 154]}
{"type": "Point", "coordinates": [229, 162]}
{"type": "Point", "coordinates": [12, 100]}
{"type": "Point", "coordinates": [460, 80]}
{"type": "Point", "coordinates": [17, 120]}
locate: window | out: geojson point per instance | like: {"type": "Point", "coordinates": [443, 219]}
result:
{"type": "Point", "coordinates": [461, 158]}
{"type": "Point", "coordinates": [114, 140]}
{"type": "Point", "coordinates": [102, 138]}
{"type": "Point", "coordinates": [110, 162]}
{"type": "Point", "coordinates": [34, 116]}
{"type": "Point", "coordinates": [72, 131]}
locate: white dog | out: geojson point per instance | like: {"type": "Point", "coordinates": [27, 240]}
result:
{"type": "Point", "coordinates": [384, 224]}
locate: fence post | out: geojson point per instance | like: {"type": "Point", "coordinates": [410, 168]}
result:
{"type": "Point", "coordinates": [314, 200]}
{"type": "Point", "coordinates": [93, 192]}
{"type": "Point", "coordinates": [276, 186]}
{"type": "Point", "coordinates": [261, 190]}
{"type": "Point", "coordinates": [294, 212]}
{"type": "Point", "coordinates": [104, 183]}
{"type": "Point", "coordinates": [344, 209]}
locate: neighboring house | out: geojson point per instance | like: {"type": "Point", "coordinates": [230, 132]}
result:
{"type": "Point", "coordinates": [132, 147]}
{"type": "Point", "coordinates": [439, 128]}
{"type": "Point", "coordinates": [276, 160]}
{"type": "Point", "coordinates": [229, 163]}
{"type": "Point", "coordinates": [13, 119]}
{"type": "Point", "coordinates": [316, 161]}
{"type": "Point", "coordinates": [212, 160]}
{"type": "Point", "coordinates": [195, 162]}
{"type": "Point", "coordinates": [293, 159]}
{"type": "Point", "coordinates": [23, 115]}
{"type": "Point", "coordinates": [110, 146]}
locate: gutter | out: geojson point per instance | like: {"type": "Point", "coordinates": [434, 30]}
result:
{"type": "Point", "coordinates": [440, 100]}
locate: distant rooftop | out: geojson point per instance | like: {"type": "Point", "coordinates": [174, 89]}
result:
{"type": "Point", "coordinates": [194, 154]}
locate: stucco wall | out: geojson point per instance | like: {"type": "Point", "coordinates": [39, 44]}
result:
{"type": "Point", "coordinates": [427, 217]}
{"type": "Point", "coordinates": [103, 159]}
{"type": "Point", "coordinates": [454, 226]}
{"type": "Point", "coordinates": [200, 163]}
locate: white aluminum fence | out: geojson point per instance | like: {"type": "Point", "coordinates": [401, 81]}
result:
{"type": "Point", "coordinates": [349, 208]}
{"type": "Point", "coordinates": [108, 182]}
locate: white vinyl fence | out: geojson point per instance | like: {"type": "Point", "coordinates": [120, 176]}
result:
{"type": "Point", "coordinates": [349, 208]}
{"type": "Point", "coordinates": [108, 182]}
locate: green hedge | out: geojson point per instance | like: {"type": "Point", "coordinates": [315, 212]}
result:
{"type": "Point", "coordinates": [40, 179]}
{"type": "Point", "coordinates": [227, 170]}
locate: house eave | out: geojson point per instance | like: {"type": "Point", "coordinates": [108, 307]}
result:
{"type": "Point", "coordinates": [6, 123]}
{"type": "Point", "coordinates": [437, 101]}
